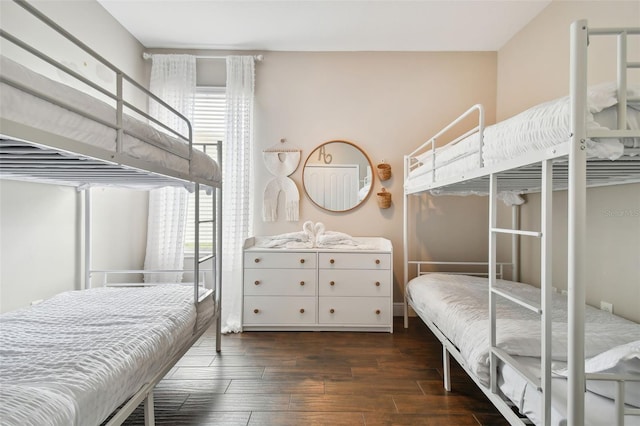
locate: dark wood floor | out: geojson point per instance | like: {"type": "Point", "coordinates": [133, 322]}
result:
{"type": "Point", "coordinates": [319, 378]}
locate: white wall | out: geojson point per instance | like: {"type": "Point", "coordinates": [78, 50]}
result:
{"type": "Point", "coordinates": [387, 104]}
{"type": "Point", "coordinates": [534, 67]}
{"type": "Point", "coordinates": [40, 235]}
{"type": "Point", "coordinates": [94, 26]}
{"type": "Point", "coordinates": [38, 242]}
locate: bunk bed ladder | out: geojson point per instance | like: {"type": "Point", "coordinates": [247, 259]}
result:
{"type": "Point", "coordinates": [216, 245]}
{"type": "Point", "coordinates": [217, 212]}
{"type": "Point", "coordinates": [542, 308]}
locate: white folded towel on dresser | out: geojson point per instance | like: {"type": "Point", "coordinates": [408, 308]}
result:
{"type": "Point", "coordinates": [298, 239]}
{"type": "Point", "coordinates": [312, 235]}
{"type": "Point", "coordinates": [331, 239]}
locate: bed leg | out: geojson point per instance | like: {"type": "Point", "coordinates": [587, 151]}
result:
{"type": "Point", "coordinates": [218, 334]}
{"type": "Point", "coordinates": [149, 416]}
{"type": "Point", "coordinates": [446, 370]}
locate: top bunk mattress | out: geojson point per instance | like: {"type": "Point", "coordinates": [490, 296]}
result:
{"type": "Point", "coordinates": [37, 112]}
{"type": "Point", "coordinates": [540, 127]}
{"type": "Point", "coordinates": [73, 359]}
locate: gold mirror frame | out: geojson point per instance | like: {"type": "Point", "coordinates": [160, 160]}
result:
{"type": "Point", "coordinates": [333, 160]}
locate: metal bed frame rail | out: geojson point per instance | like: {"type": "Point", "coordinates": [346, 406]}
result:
{"type": "Point", "coordinates": [577, 195]}
{"type": "Point", "coordinates": [410, 163]}
{"type": "Point", "coordinates": [483, 266]}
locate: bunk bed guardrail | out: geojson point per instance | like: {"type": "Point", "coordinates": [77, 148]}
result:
{"type": "Point", "coordinates": [118, 97]}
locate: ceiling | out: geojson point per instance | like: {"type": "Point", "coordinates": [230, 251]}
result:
{"type": "Point", "coordinates": [325, 25]}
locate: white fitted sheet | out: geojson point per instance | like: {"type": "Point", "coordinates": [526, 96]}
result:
{"type": "Point", "coordinates": [76, 357]}
{"type": "Point", "coordinates": [537, 128]}
{"type": "Point", "coordinates": [458, 306]}
{"type": "Point", "coordinates": [22, 107]}
{"type": "Point", "coordinates": [599, 411]}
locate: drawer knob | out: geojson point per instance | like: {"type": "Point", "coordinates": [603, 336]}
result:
{"type": "Point", "coordinates": [256, 311]}
{"type": "Point", "coordinates": [301, 282]}
{"type": "Point", "coordinates": [256, 260]}
{"type": "Point", "coordinates": [377, 261]}
{"type": "Point", "coordinates": [377, 311]}
{"type": "Point", "coordinates": [377, 283]}
{"type": "Point", "coordinates": [302, 311]}
{"type": "Point", "coordinates": [332, 283]}
{"type": "Point", "coordinates": [331, 311]}
{"type": "Point", "coordinates": [301, 260]}
{"type": "Point", "coordinates": [332, 261]}
{"type": "Point", "coordinates": [257, 282]}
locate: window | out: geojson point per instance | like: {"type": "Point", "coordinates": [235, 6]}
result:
{"type": "Point", "coordinates": [208, 127]}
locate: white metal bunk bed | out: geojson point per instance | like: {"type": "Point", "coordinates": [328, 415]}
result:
{"type": "Point", "coordinates": [86, 356]}
{"type": "Point", "coordinates": [568, 162]}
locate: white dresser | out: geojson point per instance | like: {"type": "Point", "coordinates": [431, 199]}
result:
{"type": "Point", "coordinates": [319, 289]}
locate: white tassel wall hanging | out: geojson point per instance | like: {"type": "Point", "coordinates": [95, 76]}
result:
{"type": "Point", "coordinates": [281, 160]}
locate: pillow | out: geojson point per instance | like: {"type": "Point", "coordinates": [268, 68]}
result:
{"type": "Point", "coordinates": [623, 360]}
{"type": "Point", "coordinates": [604, 95]}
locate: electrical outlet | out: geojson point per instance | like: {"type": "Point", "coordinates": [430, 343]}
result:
{"type": "Point", "coordinates": [606, 306]}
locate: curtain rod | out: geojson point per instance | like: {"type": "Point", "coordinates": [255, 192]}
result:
{"type": "Point", "coordinates": [258, 58]}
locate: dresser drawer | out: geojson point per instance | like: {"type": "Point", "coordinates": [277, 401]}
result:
{"type": "Point", "coordinates": [293, 260]}
{"type": "Point", "coordinates": [354, 282]}
{"type": "Point", "coordinates": [354, 260]}
{"type": "Point", "coordinates": [273, 310]}
{"type": "Point", "coordinates": [354, 310]}
{"type": "Point", "coordinates": [279, 282]}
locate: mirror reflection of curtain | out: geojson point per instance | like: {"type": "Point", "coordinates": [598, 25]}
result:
{"type": "Point", "coordinates": [173, 79]}
{"type": "Point", "coordinates": [237, 217]}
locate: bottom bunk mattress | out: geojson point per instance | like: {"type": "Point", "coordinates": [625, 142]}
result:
{"type": "Point", "coordinates": [73, 359]}
{"type": "Point", "coordinates": [458, 305]}
{"type": "Point", "coordinates": [599, 407]}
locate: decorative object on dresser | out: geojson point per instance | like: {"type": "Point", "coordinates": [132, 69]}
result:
{"type": "Point", "coordinates": [326, 288]}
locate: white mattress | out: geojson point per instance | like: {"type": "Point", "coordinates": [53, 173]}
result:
{"type": "Point", "coordinates": [74, 358]}
{"type": "Point", "coordinates": [599, 411]}
{"type": "Point", "coordinates": [33, 111]}
{"type": "Point", "coordinates": [458, 306]}
{"type": "Point", "coordinates": [537, 128]}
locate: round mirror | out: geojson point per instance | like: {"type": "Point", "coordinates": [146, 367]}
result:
{"type": "Point", "coordinates": [337, 176]}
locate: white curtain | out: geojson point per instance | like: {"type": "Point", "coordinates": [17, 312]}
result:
{"type": "Point", "coordinates": [173, 79]}
{"type": "Point", "coordinates": [237, 216]}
